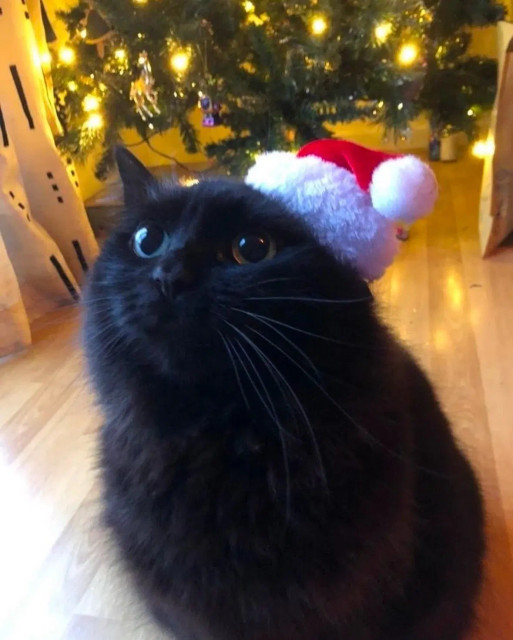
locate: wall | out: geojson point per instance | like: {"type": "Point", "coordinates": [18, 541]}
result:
{"type": "Point", "coordinates": [484, 43]}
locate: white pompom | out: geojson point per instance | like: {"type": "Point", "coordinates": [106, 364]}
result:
{"type": "Point", "coordinates": [329, 199]}
{"type": "Point", "coordinates": [403, 189]}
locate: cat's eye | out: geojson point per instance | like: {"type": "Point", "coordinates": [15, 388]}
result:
{"type": "Point", "coordinates": [251, 248]}
{"type": "Point", "coordinates": [149, 241]}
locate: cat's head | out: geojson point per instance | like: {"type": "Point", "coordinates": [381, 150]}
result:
{"type": "Point", "coordinates": [192, 275]}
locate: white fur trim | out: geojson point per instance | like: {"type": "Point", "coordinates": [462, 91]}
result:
{"type": "Point", "coordinates": [328, 197]}
{"type": "Point", "coordinates": [403, 189]}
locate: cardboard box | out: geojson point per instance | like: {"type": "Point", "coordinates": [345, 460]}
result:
{"type": "Point", "coordinates": [496, 207]}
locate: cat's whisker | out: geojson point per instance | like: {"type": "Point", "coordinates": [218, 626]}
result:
{"type": "Point", "coordinates": [298, 404]}
{"type": "Point", "coordinates": [274, 417]}
{"type": "Point", "coordinates": [103, 330]}
{"type": "Point", "coordinates": [293, 328]}
{"type": "Point", "coordinates": [268, 403]}
{"type": "Point", "coordinates": [308, 299]}
{"type": "Point", "coordinates": [282, 335]}
{"type": "Point", "coordinates": [272, 281]}
{"type": "Point", "coordinates": [234, 365]}
{"type": "Point", "coordinates": [365, 432]}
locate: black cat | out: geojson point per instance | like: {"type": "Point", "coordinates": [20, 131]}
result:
{"type": "Point", "coordinates": [276, 466]}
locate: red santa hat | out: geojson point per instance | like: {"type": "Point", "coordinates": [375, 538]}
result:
{"type": "Point", "coordinates": [350, 195]}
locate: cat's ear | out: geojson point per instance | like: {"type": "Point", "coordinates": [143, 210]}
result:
{"type": "Point", "coordinates": [134, 175]}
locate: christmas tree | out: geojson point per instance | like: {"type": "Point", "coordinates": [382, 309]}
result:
{"type": "Point", "coordinates": [276, 73]}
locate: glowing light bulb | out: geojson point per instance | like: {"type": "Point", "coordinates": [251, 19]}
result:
{"type": "Point", "coordinates": [408, 54]}
{"type": "Point", "coordinates": [318, 26]}
{"type": "Point", "coordinates": [483, 149]}
{"type": "Point", "coordinates": [470, 113]}
{"type": "Point", "coordinates": [120, 54]}
{"type": "Point", "coordinates": [72, 86]}
{"type": "Point", "coordinates": [249, 7]}
{"type": "Point", "coordinates": [83, 33]}
{"type": "Point", "coordinates": [91, 103]}
{"type": "Point", "coordinates": [95, 121]}
{"type": "Point", "coordinates": [45, 59]}
{"type": "Point", "coordinates": [400, 106]}
{"type": "Point", "coordinates": [67, 55]}
{"type": "Point", "coordinates": [188, 181]}
{"type": "Point", "coordinates": [180, 61]}
{"type": "Point", "coordinates": [383, 31]}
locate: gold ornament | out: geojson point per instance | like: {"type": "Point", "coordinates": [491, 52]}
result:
{"type": "Point", "coordinates": [142, 90]}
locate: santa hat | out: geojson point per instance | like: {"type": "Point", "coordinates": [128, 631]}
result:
{"type": "Point", "coordinates": [351, 196]}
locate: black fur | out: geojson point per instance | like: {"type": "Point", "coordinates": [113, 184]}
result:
{"type": "Point", "coordinates": [265, 482]}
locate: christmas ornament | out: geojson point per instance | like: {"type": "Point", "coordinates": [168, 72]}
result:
{"type": "Point", "coordinates": [211, 111]}
{"type": "Point", "coordinates": [142, 91]}
{"type": "Point", "coordinates": [434, 147]}
{"type": "Point", "coordinates": [353, 198]}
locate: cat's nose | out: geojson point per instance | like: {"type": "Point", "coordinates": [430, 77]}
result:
{"type": "Point", "coordinates": [171, 282]}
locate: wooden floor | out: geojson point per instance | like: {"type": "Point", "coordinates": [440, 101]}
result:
{"type": "Point", "coordinates": [59, 579]}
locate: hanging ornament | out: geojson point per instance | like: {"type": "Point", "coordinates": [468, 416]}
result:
{"type": "Point", "coordinates": [405, 134]}
{"type": "Point", "coordinates": [142, 90]}
{"type": "Point", "coordinates": [211, 111]}
{"type": "Point", "coordinates": [434, 146]}
{"type": "Point", "coordinates": [290, 134]}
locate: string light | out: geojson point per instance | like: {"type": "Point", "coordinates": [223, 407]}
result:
{"type": "Point", "coordinates": [383, 31]}
{"type": "Point", "coordinates": [483, 149]}
{"type": "Point", "coordinates": [120, 54]}
{"type": "Point", "coordinates": [72, 86]}
{"type": "Point", "coordinates": [425, 15]}
{"type": "Point", "coordinates": [95, 121]}
{"type": "Point", "coordinates": [180, 61]}
{"type": "Point", "coordinates": [67, 55]}
{"type": "Point", "coordinates": [46, 60]}
{"type": "Point", "coordinates": [91, 103]}
{"type": "Point", "coordinates": [400, 106]}
{"type": "Point", "coordinates": [470, 113]}
{"type": "Point", "coordinates": [83, 33]}
{"type": "Point", "coordinates": [319, 25]}
{"type": "Point", "coordinates": [188, 182]}
{"type": "Point", "coordinates": [249, 7]}
{"type": "Point", "coordinates": [408, 54]}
